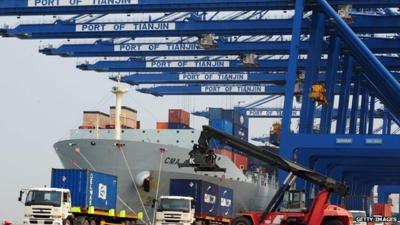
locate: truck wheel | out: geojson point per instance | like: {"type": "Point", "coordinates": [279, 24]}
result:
{"type": "Point", "coordinates": [241, 220]}
{"type": "Point", "coordinates": [333, 222]}
{"type": "Point", "coordinates": [93, 222]}
{"type": "Point", "coordinates": [81, 220]}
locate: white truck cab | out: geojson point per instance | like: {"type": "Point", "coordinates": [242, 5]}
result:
{"type": "Point", "coordinates": [46, 205]}
{"type": "Point", "coordinates": [175, 210]}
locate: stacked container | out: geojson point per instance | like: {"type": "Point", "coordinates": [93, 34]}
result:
{"type": "Point", "coordinates": [240, 125]}
{"type": "Point", "coordinates": [128, 117]}
{"type": "Point", "coordinates": [222, 125]}
{"type": "Point", "coordinates": [93, 119]}
{"type": "Point", "coordinates": [162, 125]}
{"type": "Point", "coordinates": [88, 188]}
{"type": "Point", "coordinates": [215, 113]}
{"type": "Point", "coordinates": [178, 119]}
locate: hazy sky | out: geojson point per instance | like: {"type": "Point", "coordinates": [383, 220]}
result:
{"type": "Point", "coordinates": [42, 98]}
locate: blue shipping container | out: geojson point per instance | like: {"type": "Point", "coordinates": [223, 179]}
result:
{"type": "Point", "coordinates": [241, 132]}
{"type": "Point", "coordinates": [225, 202]}
{"type": "Point", "coordinates": [205, 194]}
{"type": "Point", "coordinates": [215, 113]}
{"type": "Point", "coordinates": [88, 188]}
{"type": "Point", "coordinates": [228, 115]}
{"type": "Point", "coordinates": [222, 125]}
{"type": "Point", "coordinates": [240, 118]}
{"type": "Point", "coordinates": [215, 143]}
{"type": "Point", "coordinates": [178, 126]}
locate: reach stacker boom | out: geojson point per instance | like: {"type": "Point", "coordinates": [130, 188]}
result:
{"type": "Point", "coordinates": [287, 207]}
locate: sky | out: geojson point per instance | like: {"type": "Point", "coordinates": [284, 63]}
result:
{"type": "Point", "coordinates": [42, 99]}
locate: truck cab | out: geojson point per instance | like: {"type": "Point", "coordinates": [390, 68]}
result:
{"type": "Point", "coordinates": [174, 210]}
{"type": "Point", "coordinates": [46, 205]}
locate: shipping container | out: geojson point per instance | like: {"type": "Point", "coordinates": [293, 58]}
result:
{"type": "Point", "coordinates": [381, 209]}
{"type": "Point", "coordinates": [128, 117]}
{"type": "Point", "coordinates": [87, 127]}
{"type": "Point", "coordinates": [215, 143]}
{"type": "Point", "coordinates": [241, 132]}
{"type": "Point", "coordinates": [240, 118]}
{"type": "Point", "coordinates": [94, 119]}
{"type": "Point", "coordinates": [162, 125]}
{"type": "Point", "coordinates": [205, 195]}
{"type": "Point", "coordinates": [223, 151]}
{"type": "Point", "coordinates": [178, 126]}
{"type": "Point", "coordinates": [225, 208]}
{"type": "Point", "coordinates": [88, 188]}
{"type": "Point", "coordinates": [241, 161]}
{"type": "Point", "coordinates": [179, 116]}
{"type": "Point", "coordinates": [215, 113]}
{"type": "Point", "coordinates": [227, 114]}
{"type": "Point", "coordinates": [222, 125]}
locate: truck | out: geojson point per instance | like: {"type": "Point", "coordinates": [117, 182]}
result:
{"type": "Point", "coordinates": [198, 202]}
{"type": "Point", "coordinates": [287, 207]}
{"type": "Point", "coordinates": [76, 196]}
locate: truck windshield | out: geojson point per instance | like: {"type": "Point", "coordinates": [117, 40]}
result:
{"type": "Point", "coordinates": [43, 198]}
{"type": "Point", "coordinates": [174, 205]}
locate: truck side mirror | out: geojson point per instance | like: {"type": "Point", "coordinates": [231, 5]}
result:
{"type": "Point", "coordinates": [20, 196]}
{"type": "Point", "coordinates": [193, 204]}
{"type": "Point", "coordinates": [153, 205]}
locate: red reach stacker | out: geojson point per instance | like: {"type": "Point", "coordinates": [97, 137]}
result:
{"type": "Point", "coordinates": [287, 207]}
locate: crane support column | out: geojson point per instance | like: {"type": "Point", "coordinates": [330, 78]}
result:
{"type": "Point", "coordinates": [344, 95]}
{"type": "Point", "coordinates": [312, 70]}
{"type": "Point", "coordinates": [371, 115]}
{"type": "Point", "coordinates": [354, 105]}
{"type": "Point", "coordinates": [330, 81]}
{"type": "Point", "coordinates": [364, 110]}
{"type": "Point", "coordinates": [286, 150]}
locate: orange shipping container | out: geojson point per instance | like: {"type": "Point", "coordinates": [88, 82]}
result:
{"type": "Point", "coordinates": [128, 117]}
{"type": "Point", "coordinates": [382, 209]}
{"type": "Point", "coordinates": [162, 125]}
{"type": "Point", "coordinates": [241, 161]}
{"type": "Point", "coordinates": [179, 116]}
{"type": "Point", "coordinates": [94, 119]}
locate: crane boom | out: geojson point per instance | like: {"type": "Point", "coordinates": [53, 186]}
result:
{"type": "Point", "coordinates": [203, 159]}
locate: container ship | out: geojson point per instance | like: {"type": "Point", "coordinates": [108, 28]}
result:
{"type": "Point", "coordinates": [145, 160]}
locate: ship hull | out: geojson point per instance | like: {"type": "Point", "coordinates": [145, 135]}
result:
{"type": "Point", "coordinates": [131, 161]}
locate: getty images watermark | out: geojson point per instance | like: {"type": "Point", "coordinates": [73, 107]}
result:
{"type": "Point", "coordinates": [376, 219]}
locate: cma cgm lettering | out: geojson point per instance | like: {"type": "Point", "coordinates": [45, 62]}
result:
{"type": "Point", "coordinates": [96, 27]}
{"type": "Point", "coordinates": [55, 3]}
{"type": "Point", "coordinates": [201, 77]}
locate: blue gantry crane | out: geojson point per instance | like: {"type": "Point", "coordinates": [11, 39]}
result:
{"type": "Point", "coordinates": [189, 48]}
